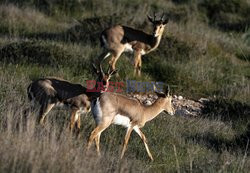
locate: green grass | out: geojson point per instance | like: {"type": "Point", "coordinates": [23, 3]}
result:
{"type": "Point", "coordinates": [194, 58]}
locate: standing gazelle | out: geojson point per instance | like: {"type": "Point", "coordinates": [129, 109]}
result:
{"type": "Point", "coordinates": [47, 93]}
{"type": "Point", "coordinates": [112, 108]}
{"type": "Point", "coordinates": [119, 39]}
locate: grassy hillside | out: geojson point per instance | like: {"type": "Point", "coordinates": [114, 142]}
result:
{"type": "Point", "coordinates": [205, 52]}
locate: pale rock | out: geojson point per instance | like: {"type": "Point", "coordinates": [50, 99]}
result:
{"type": "Point", "coordinates": [180, 98]}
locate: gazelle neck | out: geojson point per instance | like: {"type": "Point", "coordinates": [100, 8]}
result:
{"type": "Point", "coordinates": [155, 42]}
{"type": "Point", "coordinates": [152, 111]}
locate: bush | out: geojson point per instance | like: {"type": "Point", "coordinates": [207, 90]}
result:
{"type": "Point", "coordinates": [228, 15]}
{"type": "Point", "coordinates": [246, 37]}
{"type": "Point", "coordinates": [171, 53]}
{"type": "Point", "coordinates": [34, 52]}
{"type": "Point", "coordinates": [181, 1]}
{"type": "Point", "coordinates": [47, 54]}
{"type": "Point", "coordinates": [24, 20]}
{"type": "Point", "coordinates": [50, 7]}
{"type": "Point", "coordinates": [89, 29]}
{"type": "Point", "coordinates": [171, 48]}
{"type": "Point", "coordinates": [178, 14]}
{"type": "Point", "coordinates": [245, 56]}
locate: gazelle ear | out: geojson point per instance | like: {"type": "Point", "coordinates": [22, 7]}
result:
{"type": "Point", "coordinates": [159, 94]}
{"type": "Point", "coordinates": [167, 91]}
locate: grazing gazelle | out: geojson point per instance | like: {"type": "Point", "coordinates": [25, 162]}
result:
{"type": "Point", "coordinates": [112, 108]}
{"type": "Point", "coordinates": [47, 93]}
{"type": "Point", "coordinates": [119, 39]}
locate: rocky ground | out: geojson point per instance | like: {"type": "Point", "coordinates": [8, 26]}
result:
{"type": "Point", "coordinates": [183, 106]}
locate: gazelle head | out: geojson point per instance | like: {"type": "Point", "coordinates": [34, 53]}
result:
{"type": "Point", "coordinates": [158, 25]}
{"type": "Point", "coordinates": [166, 100]}
{"type": "Point", "coordinates": [102, 76]}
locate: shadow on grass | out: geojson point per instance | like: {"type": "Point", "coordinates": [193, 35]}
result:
{"type": "Point", "coordinates": [85, 31]}
{"type": "Point", "coordinates": [226, 110]}
{"type": "Point", "coordinates": [238, 143]}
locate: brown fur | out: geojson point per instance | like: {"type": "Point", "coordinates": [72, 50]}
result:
{"type": "Point", "coordinates": [49, 92]}
{"type": "Point", "coordinates": [112, 104]}
{"type": "Point", "coordinates": [118, 36]}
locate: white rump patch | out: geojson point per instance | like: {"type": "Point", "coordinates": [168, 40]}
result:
{"type": "Point", "coordinates": [121, 120]}
{"type": "Point", "coordinates": [96, 110]}
{"type": "Point", "coordinates": [128, 48]}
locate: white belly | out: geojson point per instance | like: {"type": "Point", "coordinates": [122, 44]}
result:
{"type": "Point", "coordinates": [121, 120]}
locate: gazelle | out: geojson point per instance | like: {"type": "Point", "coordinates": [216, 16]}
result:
{"type": "Point", "coordinates": [47, 93]}
{"type": "Point", "coordinates": [119, 39]}
{"type": "Point", "coordinates": [112, 108]}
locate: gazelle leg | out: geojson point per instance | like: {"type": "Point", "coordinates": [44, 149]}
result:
{"type": "Point", "coordinates": [92, 137]}
{"type": "Point", "coordinates": [97, 143]}
{"type": "Point", "coordinates": [44, 110]}
{"type": "Point", "coordinates": [137, 63]}
{"type": "Point", "coordinates": [72, 119]}
{"type": "Point", "coordinates": [78, 122]}
{"type": "Point", "coordinates": [139, 132]}
{"type": "Point", "coordinates": [114, 58]}
{"type": "Point", "coordinates": [127, 136]}
{"type": "Point", "coordinates": [139, 66]}
{"type": "Point", "coordinates": [96, 133]}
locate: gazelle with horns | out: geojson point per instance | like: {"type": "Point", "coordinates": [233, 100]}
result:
{"type": "Point", "coordinates": [112, 108]}
{"type": "Point", "coordinates": [47, 93]}
{"type": "Point", "coordinates": [119, 39]}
